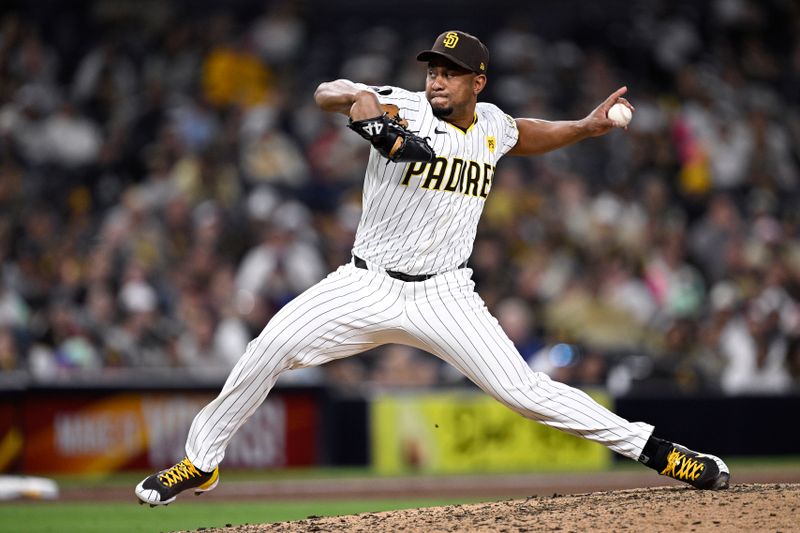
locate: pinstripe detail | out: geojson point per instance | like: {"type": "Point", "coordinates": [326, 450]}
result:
{"type": "Point", "coordinates": [353, 310]}
{"type": "Point", "coordinates": [256, 372]}
{"type": "Point", "coordinates": [281, 319]}
{"type": "Point", "coordinates": [249, 369]}
{"type": "Point", "coordinates": [601, 417]}
{"type": "Point", "coordinates": [417, 231]}
{"type": "Point", "coordinates": [498, 369]}
{"type": "Point", "coordinates": [513, 360]}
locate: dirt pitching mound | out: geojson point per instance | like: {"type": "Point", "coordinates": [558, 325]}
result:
{"type": "Point", "coordinates": [745, 507]}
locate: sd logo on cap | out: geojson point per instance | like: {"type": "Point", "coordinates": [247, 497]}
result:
{"type": "Point", "coordinates": [450, 39]}
{"type": "Point", "coordinates": [463, 49]}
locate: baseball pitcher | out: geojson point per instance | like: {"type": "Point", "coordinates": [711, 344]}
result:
{"type": "Point", "coordinates": [430, 170]}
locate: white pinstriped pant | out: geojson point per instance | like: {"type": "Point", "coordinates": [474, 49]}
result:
{"type": "Point", "coordinates": [353, 310]}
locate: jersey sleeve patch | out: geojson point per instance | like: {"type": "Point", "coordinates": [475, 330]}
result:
{"type": "Point", "coordinates": [510, 134]}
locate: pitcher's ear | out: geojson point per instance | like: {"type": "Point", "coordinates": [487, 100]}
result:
{"type": "Point", "coordinates": [479, 83]}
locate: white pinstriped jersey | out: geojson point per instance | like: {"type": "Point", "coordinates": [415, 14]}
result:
{"type": "Point", "coordinates": [417, 219]}
{"type": "Point", "coordinates": [421, 218]}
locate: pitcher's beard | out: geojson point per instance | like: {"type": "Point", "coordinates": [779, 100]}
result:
{"type": "Point", "coordinates": [441, 112]}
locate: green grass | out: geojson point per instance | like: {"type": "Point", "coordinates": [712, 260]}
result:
{"type": "Point", "coordinates": [53, 517]}
{"type": "Point", "coordinates": [132, 478]}
{"type": "Point", "coordinates": [111, 517]}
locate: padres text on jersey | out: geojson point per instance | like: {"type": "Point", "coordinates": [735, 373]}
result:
{"type": "Point", "coordinates": [421, 218]}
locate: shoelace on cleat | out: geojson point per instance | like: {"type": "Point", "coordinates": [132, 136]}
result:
{"type": "Point", "coordinates": [680, 466]}
{"type": "Point", "coordinates": [181, 471]}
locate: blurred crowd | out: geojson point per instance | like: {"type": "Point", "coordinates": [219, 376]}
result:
{"type": "Point", "coordinates": [167, 184]}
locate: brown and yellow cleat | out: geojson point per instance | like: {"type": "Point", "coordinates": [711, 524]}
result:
{"type": "Point", "coordinates": [163, 487]}
{"type": "Point", "coordinates": [699, 470]}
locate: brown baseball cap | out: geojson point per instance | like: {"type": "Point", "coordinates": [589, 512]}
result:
{"type": "Point", "coordinates": [461, 48]}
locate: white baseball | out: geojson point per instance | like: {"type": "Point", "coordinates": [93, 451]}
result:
{"type": "Point", "coordinates": [620, 115]}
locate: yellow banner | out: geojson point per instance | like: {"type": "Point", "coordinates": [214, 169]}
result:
{"type": "Point", "coordinates": [471, 432]}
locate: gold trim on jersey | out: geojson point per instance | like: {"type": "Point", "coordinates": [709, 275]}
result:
{"type": "Point", "coordinates": [455, 174]}
{"type": "Point", "coordinates": [474, 121]}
